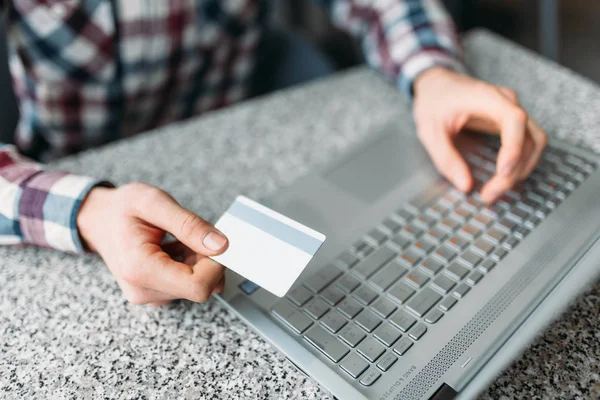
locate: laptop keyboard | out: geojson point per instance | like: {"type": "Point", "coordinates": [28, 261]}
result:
{"type": "Point", "coordinates": [383, 294]}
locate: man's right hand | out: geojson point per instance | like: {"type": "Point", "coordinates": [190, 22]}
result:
{"type": "Point", "coordinates": [126, 227]}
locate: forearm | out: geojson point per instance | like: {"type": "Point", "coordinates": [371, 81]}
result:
{"type": "Point", "coordinates": [402, 38]}
{"type": "Point", "coordinates": [37, 206]}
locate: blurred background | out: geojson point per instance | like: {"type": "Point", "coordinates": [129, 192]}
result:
{"type": "Point", "coordinates": [566, 31]}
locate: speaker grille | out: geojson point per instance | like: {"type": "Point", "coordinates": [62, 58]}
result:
{"type": "Point", "coordinates": [456, 347]}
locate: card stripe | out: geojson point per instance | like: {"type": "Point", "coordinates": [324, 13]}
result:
{"type": "Point", "coordinates": [276, 228]}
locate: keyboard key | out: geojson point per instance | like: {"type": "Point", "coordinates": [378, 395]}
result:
{"type": "Point", "coordinates": [483, 219]}
{"type": "Point", "coordinates": [387, 334]}
{"type": "Point", "coordinates": [499, 254]}
{"type": "Point", "coordinates": [372, 263]}
{"type": "Point", "coordinates": [363, 248]}
{"type": "Point", "coordinates": [417, 279]}
{"type": "Point", "coordinates": [443, 284]}
{"type": "Point", "coordinates": [384, 307]}
{"type": "Point", "coordinates": [377, 237]}
{"type": "Point", "coordinates": [418, 331]}
{"type": "Point", "coordinates": [462, 214]}
{"type": "Point", "coordinates": [487, 266]}
{"type": "Point", "coordinates": [438, 210]}
{"type": "Point", "coordinates": [457, 271]}
{"type": "Point", "coordinates": [387, 361]}
{"type": "Point", "coordinates": [461, 290]}
{"type": "Point", "coordinates": [371, 349]}
{"type": "Point", "coordinates": [293, 317]}
{"type": "Point", "coordinates": [410, 258]}
{"type": "Point", "coordinates": [334, 321]}
{"type": "Point", "coordinates": [347, 283]}
{"type": "Point", "coordinates": [470, 231]}
{"type": "Point", "coordinates": [511, 243]}
{"type": "Point", "coordinates": [403, 320]}
{"type": "Point", "coordinates": [322, 278]}
{"type": "Point", "coordinates": [445, 254]}
{"type": "Point", "coordinates": [299, 295]}
{"type": "Point", "coordinates": [425, 221]}
{"type": "Point", "coordinates": [420, 203]}
{"type": "Point", "coordinates": [507, 225]}
{"type": "Point", "coordinates": [368, 320]}
{"type": "Point", "coordinates": [412, 231]}
{"type": "Point", "coordinates": [451, 198]}
{"type": "Point", "coordinates": [521, 232]}
{"type": "Point", "coordinates": [326, 343]}
{"type": "Point", "coordinates": [350, 307]}
{"type": "Point", "coordinates": [404, 215]}
{"type": "Point", "coordinates": [388, 275]}
{"type": "Point", "coordinates": [424, 247]}
{"type": "Point", "coordinates": [437, 234]}
{"type": "Point", "coordinates": [347, 259]}
{"type": "Point", "coordinates": [316, 308]}
{"type": "Point", "coordinates": [495, 236]}
{"type": "Point", "coordinates": [354, 365]}
{"type": "Point", "coordinates": [447, 303]}
{"type": "Point", "coordinates": [401, 292]}
{"type": "Point", "coordinates": [473, 204]}
{"type": "Point", "coordinates": [370, 377]}
{"type": "Point", "coordinates": [449, 224]}
{"type": "Point", "coordinates": [474, 277]}
{"type": "Point", "coordinates": [518, 215]}
{"type": "Point", "coordinates": [458, 242]}
{"type": "Point", "coordinates": [365, 295]}
{"type": "Point", "coordinates": [483, 247]}
{"type": "Point", "coordinates": [493, 210]}
{"type": "Point", "coordinates": [431, 266]}
{"type": "Point", "coordinates": [434, 316]}
{"type": "Point", "coordinates": [332, 295]}
{"type": "Point", "coordinates": [403, 346]}
{"type": "Point", "coordinates": [391, 226]}
{"type": "Point", "coordinates": [400, 242]}
{"type": "Point", "coordinates": [352, 334]}
{"type": "Point", "coordinates": [470, 259]}
{"type": "Point", "coordinates": [423, 301]}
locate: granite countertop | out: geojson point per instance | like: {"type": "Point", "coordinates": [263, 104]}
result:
{"type": "Point", "coordinates": [67, 332]}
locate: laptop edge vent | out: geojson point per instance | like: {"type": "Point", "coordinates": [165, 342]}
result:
{"type": "Point", "coordinates": [456, 347]}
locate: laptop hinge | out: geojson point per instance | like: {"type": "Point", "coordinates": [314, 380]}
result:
{"type": "Point", "coordinates": [445, 392]}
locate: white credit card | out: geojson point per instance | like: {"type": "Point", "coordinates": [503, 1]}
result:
{"type": "Point", "coordinates": [266, 247]}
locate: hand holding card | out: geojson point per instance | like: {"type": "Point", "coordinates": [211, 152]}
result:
{"type": "Point", "coordinates": [266, 247]}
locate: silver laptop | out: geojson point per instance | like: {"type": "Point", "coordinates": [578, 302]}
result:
{"type": "Point", "coordinates": [421, 292]}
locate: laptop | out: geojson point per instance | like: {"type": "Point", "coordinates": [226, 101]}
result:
{"type": "Point", "coordinates": [421, 291]}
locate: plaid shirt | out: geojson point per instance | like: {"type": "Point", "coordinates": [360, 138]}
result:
{"type": "Point", "coordinates": [87, 72]}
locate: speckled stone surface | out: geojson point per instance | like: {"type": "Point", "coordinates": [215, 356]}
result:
{"type": "Point", "coordinates": [66, 331]}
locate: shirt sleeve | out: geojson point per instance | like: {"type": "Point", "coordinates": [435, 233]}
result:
{"type": "Point", "coordinates": [401, 38]}
{"type": "Point", "coordinates": [37, 206]}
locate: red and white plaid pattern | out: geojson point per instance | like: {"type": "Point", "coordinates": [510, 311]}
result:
{"type": "Point", "coordinates": [87, 72]}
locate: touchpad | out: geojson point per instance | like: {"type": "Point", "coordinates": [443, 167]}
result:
{"type": "Point", "coordinates": [373, 171]}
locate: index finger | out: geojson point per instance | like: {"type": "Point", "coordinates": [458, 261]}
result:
{"type": "Point", "coordinates": [160, 272]}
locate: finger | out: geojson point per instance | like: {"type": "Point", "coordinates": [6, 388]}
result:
{"type": "Point", "coordinates": [178, 280]}
{"type": "Point", "coordinates": [512, 122]}
{"type": "Point", "coordinates": [160, 303]}
{"type": "Point", "coordinates": [139, 296]}
{"type": "Point", "coordinates": [220, 286]}
{"type": "Point", "coordinates": [209, 277]}
{"type": "Point", "coordinates": [447, 159]}
{"type": "Point", "coordinates": [540, 140]}
{"type": "Point", "coordinates": [163, 211]}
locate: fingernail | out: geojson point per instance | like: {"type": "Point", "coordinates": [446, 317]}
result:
{"type": "Point", "coordinates": [508, 168]}
{"type": "Point", "coordinates": [214, 241]}
{"type": "Point", "coordinates": [463, 183]}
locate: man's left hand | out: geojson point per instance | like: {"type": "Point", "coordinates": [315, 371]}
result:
{"type": "Point", "coordinates": [446, 102]}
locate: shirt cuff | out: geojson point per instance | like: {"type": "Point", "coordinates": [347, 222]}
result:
{"type": "Point", "coordinates": [423, 61]}
{"type": "Point", "coordinates": [48, 208]}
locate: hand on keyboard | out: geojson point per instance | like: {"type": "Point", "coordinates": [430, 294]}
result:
{"type": "Point", "coordinates": [447, 102]}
